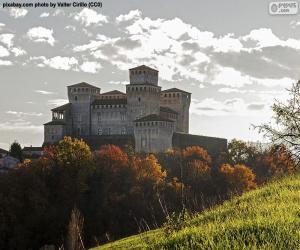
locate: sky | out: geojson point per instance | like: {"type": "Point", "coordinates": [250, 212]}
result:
{"type": "Point", "coordinates": [233, 56]}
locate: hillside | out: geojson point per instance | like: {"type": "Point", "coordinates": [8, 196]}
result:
{"type": "Point", "coordinates": [266, 218]}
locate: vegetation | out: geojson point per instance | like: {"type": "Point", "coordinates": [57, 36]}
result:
{"type": "Point", "coordinates": [265, 218]}
{"type": "Point", "coordinates": [74, 198]}
{"type": "Point", "coordinates": [16, 151]}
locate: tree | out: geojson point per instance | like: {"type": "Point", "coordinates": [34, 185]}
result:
{"type": "Point", "coordinates": [16, 151]}
{"type": "Point", "coordinates": [276, 162]}
{"type": "Point", "coordinates": [238, 178]}
{"type": "Point", "coordinates": [286, 129]}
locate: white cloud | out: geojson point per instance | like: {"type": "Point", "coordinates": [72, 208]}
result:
{"type": "Point", "coordinates": [7, 39]}
{"type": "Point", "coordinates": [294, 24]}
{"type": "Point", "coordinates": [22, 126]}
{"type": "Point", "coordinates": [19, 114]}
{"type": "Point", "coordinates": [18, 51]}
{"type": "Point", "coordinates": [5, 62]}
{"type": "Point", "coordinates": [17, 13]}
{"type": "Point", "coordinates": [133, 14]}
{"type": "Point", "coordinates": [88, 17]}
{"type": "Point", "coordinates": [44, 92]}
{"type": "Point", "coordinates": [70, 27]}
{"type": "Point", "coordinates": [45, 14]}
{"type": "Point", "coordinates": [3, 52]}
{"type": "Point", "coordinates": [90, 67]}
{"type": "Point", "coordinates": [57, 62]}
{"type": "Point", "coordinates": [2, 24]}
{"type": "Point", "coordinates": [41, 34]}
{"type": "Point", "coordinates": [57, 102]}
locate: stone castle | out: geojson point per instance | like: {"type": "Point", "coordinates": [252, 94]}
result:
{"type": "Point", "coordinates": [154, 120]}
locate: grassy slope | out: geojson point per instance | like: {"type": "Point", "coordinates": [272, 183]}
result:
{"type": "Point", "coordinates": [266, 218]}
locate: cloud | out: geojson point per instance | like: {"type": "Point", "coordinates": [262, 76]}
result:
{"type": "Point", "coordinates": [57, 62]}
{"type": "Point", "coordinates": [44, 92]}
{"type": "Point", "coordinates": [41, 34]}
{"type": "Point", "coordinates": [3, 52]}
{"type": "Point", "coordinates": [88, 17]}
{"type": "Point", "coordinates": [57, 102]}
{"type": "Point", "coordinates": [21, 126]}
{"type": "Point", "coordinates": [5, 62]}
{"type": "Point", "coordinates": [233, 106]}
{"type": "Point", "coordinates": [294, 24]}
{"type": "Point", "coordinates": [90, 67]}
{"type": "Point", "coordinates": [7, 39]}
{"type": "Point", "coordinates": [256, 106]}
{"type": "Point", "coordinates": [17, 13]}
{"type": "Point", "coordinates": [18, 51]}
{"type": "Point", "coordinates": [45, 14]}
{"type": "Point", "coordinates": [133, 14]}
{"type": "Point", "coordinates": [19, 114]}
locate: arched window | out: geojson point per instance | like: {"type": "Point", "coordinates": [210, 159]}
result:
{"type": "Point", "coordinates": [76, 98]}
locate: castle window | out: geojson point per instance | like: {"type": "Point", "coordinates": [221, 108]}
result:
{"type": "Point", "coordinates": [139, 99]}
{"type": "Point", "coordinates": [100, 131]}
{"type": "Point", "coordinates": [76, 98]}
{"type": "Point", "coordinates": [74, 90]}
{"type": "Point", "coordinates": [140, 72]}
{"type": "Point", "coordinates": [144, 88]}
{"type": "Point", "coordinates": [170, 95]}
{"type": "Point", "coordinates": [136, 88]}
{"type": "Point", "coordinates": [165, 95]}
{"type": "Point", "coordinates": [78, 90]}
{"type": "Point", "coordinates": [177, 94]}
{"type": "Point", "coordinates": [173, 94]}
{"type": "Point", "coordinates": [123, 131]}
{"type": "Point", "coordinates": [99, 117]}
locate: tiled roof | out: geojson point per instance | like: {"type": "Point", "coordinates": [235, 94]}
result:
{"type": "Point", "coordinates": [26, 149]}
{"type": "Point", "coordinates": [175, 90]}
{"type": "Point", "coordinates": [143, 67]}
{"type": "Point", "coordinates": [62, 108]}
{"type": "Point", "coordinates": [114, 92]}
{"type": "Point", "coordinates": [83, 84]}
{"type": "Point", "coordinates": [55, 122]}
{"type": "Point", "coordinates": [109, 101]}
{"type": "Point", "coordinates": [168, 110]}
{"type": "Point", "coordinates": [3, 151]}
{"type": "Point", "coordinates": [153, 117]}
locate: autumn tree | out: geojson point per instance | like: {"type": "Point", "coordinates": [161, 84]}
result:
{"type": "Point", "coordinates": [277, 162]}
{"type": "Point", "coordinates": [238, 178]}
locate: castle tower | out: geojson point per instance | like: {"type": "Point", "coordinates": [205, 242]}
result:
{"type": "Point", "coordinates": [143, 93]}
{"type": "Point", "coordinates": [180, 101]}
{"type": "Point", "coordinates": [81, 96]}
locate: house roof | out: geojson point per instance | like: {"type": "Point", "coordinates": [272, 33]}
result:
{"type": "Point", "coordinates": [62, 108]}
{"type": "Point", "coordinates": [168, 110]}
{"type": "Point", "coordinates": [175, 90]}
{"type": "Point", "coordinates": [3, 151]}
{"type": "Point", "coordinates": [153, 117]}
{"type": "Point", "coordinates": [56, 122]}
{"type": "Point", "coordinates": [28, 149]}
{"type": "Point", "coordinates": [109, 101]}
{"type": "Point", "coordinates": [83, 84]}
{"type": "Point", "coordinates": [114, 92]}
{"type": "Point", "coordinates": [143, 67]}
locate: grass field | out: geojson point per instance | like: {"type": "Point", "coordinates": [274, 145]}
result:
{"type": "Point", "coordinates": [266, 218]}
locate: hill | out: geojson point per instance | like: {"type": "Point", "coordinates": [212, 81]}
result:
{"type": "Point", "coordinates": [266, 218]}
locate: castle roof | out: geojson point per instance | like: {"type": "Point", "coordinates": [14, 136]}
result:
{"type": "Point", "coordinates": [83, 84]}
{"type": "Point", "coordinates": [114, 92]}
{"type": "Point", "coordinates": [168, 110]}
{"type": "Point", "coordinates": [62, 108]}
{"type": "Point", "coordinates": [109, 101]}
{"type": "Point", "coordinates": [56, 122]}
{"type": "Point", "coordinates": [143, 67]}
{"type": "Point", "coordinates": [153, 117]}
{"type": "Point", "coordinates": [175, 90]}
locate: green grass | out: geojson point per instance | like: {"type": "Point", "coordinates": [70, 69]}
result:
{"type": "Point", "coordinates": [266, 218]}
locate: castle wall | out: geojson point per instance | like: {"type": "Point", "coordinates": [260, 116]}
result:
{"type": "Point", "coordinates": [142, 100]}
{"type": "Point", "coordinates": [153, 136]}
{"type": "Point", "coordinates": [54, 133]}
{"type": "Point", "coordinates": [213, 145]}
{"type": "Point", "coordinates": [108, 120]}
{"type": "Point", "coordinates": [180, 102]}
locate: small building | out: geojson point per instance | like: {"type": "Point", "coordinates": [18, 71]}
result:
{"type": "Point", "coordinates": [7, 163]}
{"type": "Point", "coordinates": [3, 153]}
{"type": "Point", "coordinates": [32, 152]}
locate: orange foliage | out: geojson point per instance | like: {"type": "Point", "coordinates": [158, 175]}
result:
{"type": "Point", "coordinates": [239, 177]}
{"type": "Point", "coordinates": [196, 153]}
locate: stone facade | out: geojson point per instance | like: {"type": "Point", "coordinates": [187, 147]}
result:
{"type": "Point", "coordinates": [145, 112]}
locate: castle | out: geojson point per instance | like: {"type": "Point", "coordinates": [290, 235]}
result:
{"type": "Point", "coordinates": [154, 120]}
